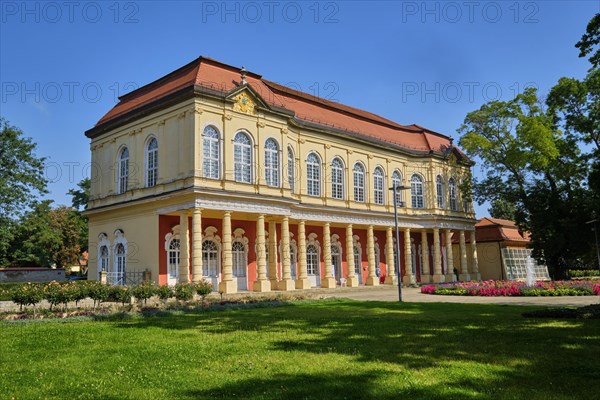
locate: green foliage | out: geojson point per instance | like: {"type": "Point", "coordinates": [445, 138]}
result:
{"type": "Point", "coordinates": [25, 295]}
{"type": "Point", "coordinates": [98, 292]}
{"type": "Point", "coordinates": [202, 288]}
{"type": "Point", "coordinates": [591, 40]}
{"type": "Point", "coordinates": [144, 291]}
{"type": "Point", "coordinates": [578, 273]}
{"type": "Point", "coordinates": [21, 181]}
{"type": "Point", "coordinates": [184, 291]}
{"type": "Point", "coordinates": [165, 292]}
{"type": "Point", "coordinates": [55, 294]}
{"type": "Point", "coordinates": [80, 197]}
{"type": "Point", "coordinates": [119, 294]}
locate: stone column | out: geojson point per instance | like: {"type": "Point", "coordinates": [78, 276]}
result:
{"type": "Point", "coordinates": [449, 256]}
{"type": "Point", "coordinates": [409, 276]}
{"type": "Point", "coordinates": [184, 249]}
{"type": "Point", "coordinates": [464, 271]}
{"type": "Point", "coordinates": [475, 266]}
{"type": "Point", "coordinates": [426, 275]}
{"type": "Point", "coordinates": [390, 278]}
{"type": "Point", "coordinates": [286, 282]}
{"type": "Point", "coordinates": [438, 276]}
{"type": "Point", "coordinates": [351, 279]}
{"type": "Point", "coordinates": [372, 279]}
{"type": "Point", "coordinates": [227, 284]}
{"type": "Point", "coordinates": [197, 245]}
{"type": "Point", "coordinates": [328, 281]}
{"type": "Point", "coordinates": [261, 284]}
{"type": "Point", "coordinates": [302, 281]}
{"type": "Point", "coordinates": [273, 254]}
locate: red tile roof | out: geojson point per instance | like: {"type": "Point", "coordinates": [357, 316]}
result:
{"type": "Point", "coordinates": [499, 230]}
{"type": "Point", "coordinates": [211, 74]}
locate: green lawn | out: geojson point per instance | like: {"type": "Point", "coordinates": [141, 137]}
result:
{"type": "Point", "coordinates": [338, 349]}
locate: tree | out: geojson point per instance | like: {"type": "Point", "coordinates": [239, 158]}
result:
{"type": "Point", "coordinates": [589, 40]}
{"type": "Point", "coordinates": [21, 181]}
{"type": "Point", "coordinates": [81, 196]}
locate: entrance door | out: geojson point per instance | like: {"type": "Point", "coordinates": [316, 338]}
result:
{"type": "Point", "coordinates": [173, 261]}
{"type": "Point", "coordinates": [210, 263]}
{"type": "Point", "coordinates": [336, 262]}
{"type": "Point", "coordinates": [240, 265]}
{"type": "Point", "coordinates": [313, 265]}
{"type": "Point", "coordinates": [358, 263]}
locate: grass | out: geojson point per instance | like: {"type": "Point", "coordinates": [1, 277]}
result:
{"type": "Point", "coordinates": [336, 349]}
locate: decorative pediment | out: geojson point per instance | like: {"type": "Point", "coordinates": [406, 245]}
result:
{"type": "Point", "coordinates": [246, 100]}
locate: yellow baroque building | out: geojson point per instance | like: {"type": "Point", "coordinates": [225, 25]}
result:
{"type": "Point", "coordinates": [213, 172]}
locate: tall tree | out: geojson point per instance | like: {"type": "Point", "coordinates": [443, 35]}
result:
{"type": "Point", "coordinates": [21, 181]}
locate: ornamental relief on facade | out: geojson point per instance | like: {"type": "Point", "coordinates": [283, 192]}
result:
{"type": "Point", "coordinates": [243, 103]}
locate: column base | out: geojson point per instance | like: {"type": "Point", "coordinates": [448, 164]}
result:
{"type": "Point", "coordinates": [464, 277]}
{"type": "Point", "coordinates": [391, 280]}
{"type": "Point", "coordinates": [439, 278]}
{"type": "Point", "coordinates": [302, 284]}
{"type": "Point", "coordinates": [372, 281]}
{"type": "Point", "coordinates": [262, 286]}
{"type": "Point", "coordinates": [476, 276]}
{"type": "Point", "coordinates": [228, 287]}
{"type": "Point", "coordinates": [425, 278]}
{"type": "Point", "coordinates": [274, 283]}
{"type": "Point", "coordinates": [352, 281]}
{"type": "Point", "coordinates": [408, 279]}
{"type": "Point", "coordinates": [450, 278]}
{"type": "Point", "coordinates": [328, 283]}
{"type": "Point", "coordinates": [286, 284]}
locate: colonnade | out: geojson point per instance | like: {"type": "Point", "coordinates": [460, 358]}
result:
{"type": "Point", "coordinates": [267, 270]}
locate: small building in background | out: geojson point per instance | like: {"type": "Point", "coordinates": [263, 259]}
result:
{"type": "Point", "coordinates": [502, 251]}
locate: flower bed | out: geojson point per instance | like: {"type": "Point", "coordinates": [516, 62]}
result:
{"type": "Point", "coordinates": [514, 288]}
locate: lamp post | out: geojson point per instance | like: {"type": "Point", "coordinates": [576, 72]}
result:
{"type": "Point", "coordinates": [595, 229]}
{"type": "Point", "coordinates": [396, 190]}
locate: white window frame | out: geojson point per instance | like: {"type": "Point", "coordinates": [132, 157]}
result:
{"type": "Point", "coordinates": [359, 172]}
{"type": "Point", "coordinates": [440, 192]}
{"type": "Point", "coordinates": [242, 157]}
{"type": "Point", "coordinates": [291, 172]}
{"type": "Point", "coordinates": [211, 152]}
{"type": "Point", "coordinates": [397, 181]}
{"type": "Point", "coordinates": [151, 162]}
{"type": "Point", "coordinates": [313, 174]}
{"type": "Point", "coordinates": [123, 170]}
{"type": "Point", "coordinates": [379, 186]}
{"type": "Point", "coordinates": [272, 162]}
{"type": "Point", "coordinates": [337, 178]}
{"type": "Point", "coordinates": [452, 194]}
{"type": "Point", "coordinates": [417, 191]}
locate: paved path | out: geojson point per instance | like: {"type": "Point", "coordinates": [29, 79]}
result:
{"type": "Point", "coordinates": [390, 293]}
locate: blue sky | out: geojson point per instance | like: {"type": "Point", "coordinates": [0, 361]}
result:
{"type": "Point", "coordinates": [62, 64]}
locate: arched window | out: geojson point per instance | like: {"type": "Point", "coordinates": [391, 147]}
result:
{"type": "Point", "coordinates": [313, 175]}
{"type": "Point", "coordinates": [416, 191]}
{"type": "Point", "coordinates": [120, 265]}
{"type": "Point", "coordinates": [210, 259]}
{"type": "Point", "coordinates": [242, 157]}
{"type": "Point", "coordinates": [103, 264]}
{"type": "Point", "coordinates": [397, 181]}
{"type": "Point", "coordinates": [291, 169]}
{"type": "Point", "coordinates": [240, 261]}
{"type": "Point", "coordinates": [272, 163]}
{"type": "Point", "coordinates": [359, 182]}
{"type": "Point", "coordinates": [123, 171]}
{"type": "Point", "coordinates": [312, 260]}
{"type": "Point", "coordinates": [452, 194]}
{"type": "Point", "coordinates": [211, 153]}
{"type": "Point", "coordinates": [439, 190]}
{"type": "Point", "coordinates": [173, 259]}
{"type": "Point", "coordinates": [357, 260]}
{"type": "Point", "coordinates": [293, 259]}
{"type": "Point", "coordinates": [151, 162]}
{"type": "Point", "coordinates": [337, 178]}
{"type": "Point", "coordinates": [378, 187]}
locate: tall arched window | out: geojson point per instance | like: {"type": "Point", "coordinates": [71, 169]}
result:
{"type": "Point", "coordinates": [337, 178]}
{"type": "Point", "coordinates": [242, 157]}
{"type": "Point", "coordinates": [173, 259]}
{"type": "Point", "coordinates": [240, 262]}
{"type": "Point", "coordinates": [313, 175]}
{"type": "Point", "coordinates": [123, 171]}
{"type": "Point", "coordinates": [378, 187]}
{"type": "Point", "coordinates": [210, 259]}
{"type": "Point", "coordinates": [272, 163]}
{"type": "Point", "coordinates": [211, 153]}
{"type": "Point", "coordinates": [359, 182]}
{"type": "Point", "coordinates": [397, 181]}
{"type": "Point", "coordinates": [416, 191]}
{"type": "Point", "coordinates": [103, 264]}
{"type": "Point", "coordinates": [439, 191]}
{"type": "Point", "coordinates": [312, 259]}
{"type": "Point", "coordinates": [291, 169]}
{"type": "Point", "coordinates": [452, 194]}
{"type": "Point", "coordinates": [120, 264]}
{"type": "Point", "coordinates": [357, 260]}
{"type": "Point", "coordinates": [151, 162]}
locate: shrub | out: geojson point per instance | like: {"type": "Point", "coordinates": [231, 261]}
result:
{"type": "Point", "coordinates": [26, 295]}
{"type": "Point", "coordinates": [576, 273]}
{"type": "Point", "coordinates": [98, 292]}
{"type": "Point", "coordinates": [164, 292]}
{"type": "Point", "coordinates": [120, 294]}
{"type": "Point", "coordinates": [55, 294]}
{"type": "Point", "coordinates": [183, 291]}
{"type": "Point", "coordinates": [203, 288]}
{"type": "Point", "coordinates": [144, 291]}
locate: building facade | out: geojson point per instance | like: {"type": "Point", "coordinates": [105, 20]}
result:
{"type": "Point", "coordinates": [215, 173]}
